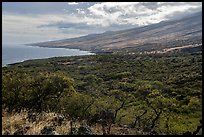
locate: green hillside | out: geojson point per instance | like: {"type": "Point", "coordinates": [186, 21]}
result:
{"type": "Point", "coordinates": [161, 93]}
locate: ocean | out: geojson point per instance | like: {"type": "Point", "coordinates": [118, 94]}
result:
{"type": "Point", "coordinates": [18, 53]}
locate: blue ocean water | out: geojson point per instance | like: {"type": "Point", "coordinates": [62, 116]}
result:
{"type": "Point", "coordinates": [18, 53]}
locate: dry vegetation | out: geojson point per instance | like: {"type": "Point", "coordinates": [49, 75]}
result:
{"type": "Point", "coordinates": [14, 122]}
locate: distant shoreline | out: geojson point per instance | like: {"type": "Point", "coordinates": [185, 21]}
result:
{"type": "Point", "coordinates": [13, 55]}
{"type": "Point", "coordinates": [73, 48]}
{"type": "Point", "coordinates": [61, 47]}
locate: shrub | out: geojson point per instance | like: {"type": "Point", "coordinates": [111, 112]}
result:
{"type": "Point", "coordinates": [40, 92]}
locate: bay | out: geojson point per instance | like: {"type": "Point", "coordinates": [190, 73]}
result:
{"type": "Point", "coordinates": [18, 53]}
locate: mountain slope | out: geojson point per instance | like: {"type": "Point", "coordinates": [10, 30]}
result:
{"type": "Point", "coordinates": [158, 36]}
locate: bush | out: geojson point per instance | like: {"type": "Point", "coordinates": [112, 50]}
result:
{"type": "Point", "coordinates": [40, 92]}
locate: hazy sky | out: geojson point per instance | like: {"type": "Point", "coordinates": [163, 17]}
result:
{"type": "Point", "coordinates": [27, 22]}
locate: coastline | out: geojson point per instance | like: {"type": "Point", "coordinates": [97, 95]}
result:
{"type": "Point", "coordinates": [94, 52]}
{"type": "Point", "coordinates": [60, 47]}
{"type": "Point", "coordinates": [6, 62]}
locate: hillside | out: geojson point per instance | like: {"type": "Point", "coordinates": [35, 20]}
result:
{"type": "Point", "coordinates": [147, 94]}
{"type": "Point", "coordinates": [166, 34]}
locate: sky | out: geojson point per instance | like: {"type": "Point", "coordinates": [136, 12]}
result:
{"type": "Point", "coordinates": [30, 22]}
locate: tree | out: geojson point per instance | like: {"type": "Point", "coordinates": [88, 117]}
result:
{"type": "Point", "coordinates": [14, 86]}
{"type": "Point", "coordinates": [76, 107]}
{"type": "Point", "coordinates": [47, 90]}
{"type": "Point", "coordinates": [160, 104]}
{"type": "Point", "coordinates": [125, 100]}
{"type": "Point", "coordinates": [38, 93]}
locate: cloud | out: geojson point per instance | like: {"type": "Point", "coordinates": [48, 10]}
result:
{"type": "Point", "coordinates": [66, 25]}
{"type": "Point", "coordinates": [25, 29]}
{"type": "Point", "coordinates": [72, 3]}
{"type": "Point", "coordinates": [49, 21]}
{"type": "Point", "coordinates": [137, 13]}
{"type": "Point", "coordinates": [106, 14]}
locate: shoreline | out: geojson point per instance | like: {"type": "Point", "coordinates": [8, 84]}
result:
{"type": "Point", "coordinates": [27, 45]}
{"type": "Point", "coordinates": [61, 47]}
{"type": "Point", "coordinates": [73, 48]}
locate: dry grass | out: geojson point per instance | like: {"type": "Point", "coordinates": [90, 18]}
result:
{"type": "Point", "coordinates": [12, 122]}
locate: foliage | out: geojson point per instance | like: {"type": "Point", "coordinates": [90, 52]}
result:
{"type": "Point", "coordinates": [40, 92]}
{"type": "Point", "coordinates": [161, 92]}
